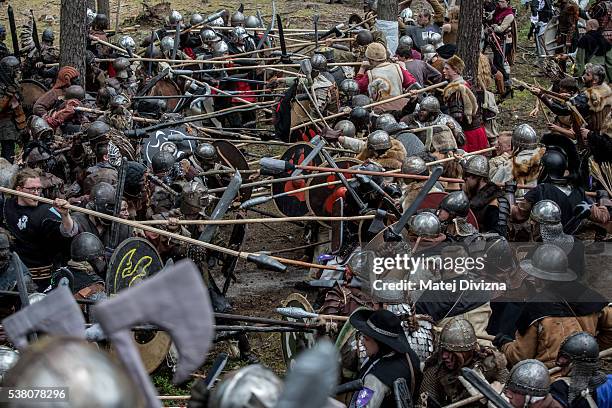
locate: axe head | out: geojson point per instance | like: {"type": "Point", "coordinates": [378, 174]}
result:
{"type": "Point", "coordinates": [378, 223]}
{"type": "Point", "coordinates": [306, 68]}
{"type": "Point", "coordinates": [175, 300]}
{"type": "Point", "coordinates": [55, 314]}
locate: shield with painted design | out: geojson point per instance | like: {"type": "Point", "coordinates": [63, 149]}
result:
{"type": "Point", "coordinates": [233, 158]}
{"type": "Point", "coordinates": [134, 260]}
{"type": "Point", "coordinates": [167, 87]}
{"type": "Point", "coordinates": [292, 343]}
{"type": "Point", "coordinates": [31, 90]}
{"type": "Point", "coordinates": [294, 205]}
{"type": "Point", "coordinates": [158, 141]}
{"type": "Point", "coordinates": [320, 201]}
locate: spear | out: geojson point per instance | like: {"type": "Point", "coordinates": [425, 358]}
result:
{"type": "Point", "coordinates": [101, 112]}
{"type": "Point", "coordinates": [259, 220]}
{"type": "Point", "coordinates": [266, 262]}
{"type": "Point", "coordinates": [299, 313]}
{"type": "Point", "coordinates": [374, 104]}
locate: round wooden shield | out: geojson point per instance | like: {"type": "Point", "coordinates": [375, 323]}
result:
{"type": "Point", "coordinates": [320, 201]}
{"type": "Point", "coordinates": [31, 90]}
{"type": "Point", "coordinates": [153, 347]}
{"type": "Point", "coordinates": [159, 141]}
{"type": "Point", "coordinates": [232, 157]}
{"type": "Point", "coordinates": [134, 260]}
{"type": "Point", "coordinates": [433, 200]}
{"type": "Point", "coordinates": [294, 342]}
{"type": "Point", "coordinates": [294, 205]}
{"type": "Point", "coordinates": [166, 87]}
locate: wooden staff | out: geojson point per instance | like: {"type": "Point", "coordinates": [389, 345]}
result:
{"type": "Point", "coordinates": [374, 104]}
{"type": "Point", "coordinates": [278, 48]}
{"type": "Point", "coordinates": [258, 220]}
{"type": "Point", "coordinates": [488, 149]}
{"type": "Point", "coordinates": [113, 46]}
{"type": "Point", "coordinates": [101, 112]}
{"type": "Point", "coordinates": [268, 66]}
{"type": "Point", "coordinates": [135, 224]}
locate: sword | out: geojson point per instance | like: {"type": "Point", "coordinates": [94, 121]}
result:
{"type": "Point", "coordinates": [215, 370]}
{"type": "Point", "coordinates": [11, 18]}
{"type": "Point", "coordinates": [35, 31]}
{"type": "Point", "coordinates": [281, 36]}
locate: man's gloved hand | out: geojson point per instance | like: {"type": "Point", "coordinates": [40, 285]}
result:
{"type": "Point", "coordinates": [501, 339]}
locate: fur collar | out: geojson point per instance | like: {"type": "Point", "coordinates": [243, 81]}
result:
{"type": "Point", "coordinates": [485, 195]}
{"type": "Point", "coordinates": [392, 159]}
{"type": "Point", "coordinates": [599, 97]}
{"type": "Point", "coordinates": [460, 89]}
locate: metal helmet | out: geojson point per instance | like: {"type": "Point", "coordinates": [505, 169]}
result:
{"type": "Point", "coordinates": [406, 41]}
{"type": "Point", "coordinates": [127, 43]}
{"type": "Point", "coordinates": [91, 16]}
{"type": "Point", "coordinates": [349, 87]}
{"type": "Point", "coordinates": [196, 18]}
{"type": "Point", "coordinates": [175, 17]}
{"type": "Point", "coordinates": [346, 127]}
{"type": "Point", "coordinates": [318, 62]}
{"type": "Point", "coordinates": [425, 224]}
{"type": "Point", "coordinates": [8, 358]}
{"type": "Point", "coordinates": [78, 366]}
{"type": "Point", "coordinates": [581, 346]}
{"type": "Point", "coordinates": [208, 35]}
{"type": "Point", "coordinates": [477, 165]}
{"type": "Point", "coordinates": [384, 121]}
{"type": "Point", "coordinates": [191, 200]}
{"type": "Point", "coordinates": [220, 48]}
{"type": "Point", "coordinates": [162, 162]}
{"type": "Point", "coordinates": [86, 247]}
{"type": "Point", "coordinates": [97, 129]}
{"type": "Point", "coordinates": [48, 36]}
{"type": "Point", "coordinates": [361, 100]}
{"type": "Point", "coordinates": [120, 101]}
{"type": "Point", "coordinates": [458, 335]}
{"type": "Point", "coordinates": [549, 262]}
{"type": "Point", "coordinates": [529, 377]}
{"type": "Point", "coordinates": [414, 165]}
{"type": "Point", "coordinates": [407, 16]}
{"type": "Point", "coordinates": [121, 65]}
{"type": "Point", "coordinates": [546, 212]}
{"type": "Point", "coordinates": [100, 21]}
{"type": "Point", "coordinates": [103, 197]}
{"type": "Point", "coordinates": [152, 52]}
{"type": "Point", "coordinates": [554, 164]}
{"type": "Point", "coordinates": [430, 104]}
{"type": "Point", "coordinates": [456, 204]}
{"type": "Point", "coordinates": [39, 128]}
{"type": "Point", "coordinates": [428, 51]}
{"type": "Point", "coordinates": [167, 44]}
{"type": "Point", "coordinates": [435, 39]}
{"type": "Point", "coordinates": [379, 140]}
{"type": "Point", "coordinates": [237, 19]}
{"type": "Point", "coordinates": [252, 22]}
{"type": "Point", "coordinates": [413, 145]}
{"type": "Point", "coordinates": [252, 386]}
{"type": "Point", "coordinates": [239, 33]}
{"type": "Point", "coordinates": [364, 37]}
{"type": "Point", "coordinates": [524, 137]}
{"type": "Point", "coordinates": [74, 92]}
{"type": "Point", "coordinates": [206, 152]}
{"type": "Point", "coordinates": [10, 66]}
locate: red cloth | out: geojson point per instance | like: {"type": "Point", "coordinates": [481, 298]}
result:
{"type": "Point", "coordinates": [190, 53]}
{"type": "Point", "coordinates": [475, 139]}
{"type": "Point", "coordinates": [245, 94]}
{"type": "Point", "coordinates": [499, 14]}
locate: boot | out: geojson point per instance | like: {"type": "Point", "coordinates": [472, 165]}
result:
{"type": "Point", "coordinates": [499, 83]}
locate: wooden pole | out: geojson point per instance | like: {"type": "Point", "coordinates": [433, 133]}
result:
{"type": "Point", "coordinates": [100, 112]}
{"type": "Point", "coordinates": [134, 224]}
{"type": "Point", "coordinates": [258, 220]}
{"type": "Point", "coordinates": [488, 149]}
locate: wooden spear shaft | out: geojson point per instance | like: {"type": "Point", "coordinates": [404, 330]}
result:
{"type": "Point", "coordinates": [258, 220]}
{"type": "Point", "coordinates": [488, 149]}
{"type": "Point", "coordinates": [374, 104]}
{"type": "Point", "coordinates": [135, 224]}
{"type": "Point", "coordinates": [113, 46]}
{"type": "Point", "coordinates": [100, 112]}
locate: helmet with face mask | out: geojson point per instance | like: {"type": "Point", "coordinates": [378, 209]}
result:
{"type": "Point", "coordinates": [91, 16]}
{"type": "Point", "coordinates": [239, 34]}
{"type": "Point", "coordinates": [87, 247]}
{"type": "Point", "coordinates": [167, 44]}
{"type": "Point", "coordinates": [220, 49]}
{"type": "Point", "coordinates": [127, 43]}
{"type": "Point", "coordinates": [103, 198]}
{"type": "Point", "coordinates": [208, 35]}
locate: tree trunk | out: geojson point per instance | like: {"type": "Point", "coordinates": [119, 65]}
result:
{"type": "Point", "coordinates": [91, 4]}
{"type": "Point", "coordinates": [73, 26]}
{"type": "Point", "coordinates": [387, 10]}
{"type": "Point", "coordinates": [104, 8]}
{"type": "Point", "coordinates": [468, 36]}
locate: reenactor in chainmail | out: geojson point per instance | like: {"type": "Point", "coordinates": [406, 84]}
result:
{"type": "Point", "coordinates": [323, 89]}
{"type": "Point", "coordinates": [410, 188]}
{"type": "Point", "coordinates": [429, 114]}
{"type": "Point", "coordinates": [524, 165]}
{"type": "Point", "coordinates": [582, 383]}
{"type": "Point", "coordinates": [38, 156]}
{"type": "Point", "coordinates": [458, 348]}
{"type": "Point", "coordinates": [452, 212]}
{"type": "Point", "coordinates": [547, 227]}
{"type": "Point", "coordinates": [124, 81]}
{"type": "Point", "coordinates": [119, 117]}
{"type": "Point", "coordinates": [163, 166]}
{"type": "Point", "coordinates": [529, 386]}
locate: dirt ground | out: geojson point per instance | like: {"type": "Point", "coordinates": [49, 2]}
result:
{"type": "Point", "coordinates": [257, 292]}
